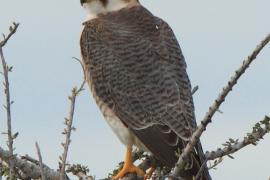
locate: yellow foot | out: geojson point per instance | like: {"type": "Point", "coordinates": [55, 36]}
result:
{"type": "Point", "coordinates": [129, 167]}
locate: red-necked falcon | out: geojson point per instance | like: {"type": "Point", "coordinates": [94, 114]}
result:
{"type": "Point", "coordinates": [137, 74]}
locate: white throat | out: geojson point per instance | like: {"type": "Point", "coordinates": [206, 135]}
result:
{"type": "Point", "coordinates": [94, 8]}
{"type": "Point", "coordinates": [115, 5]}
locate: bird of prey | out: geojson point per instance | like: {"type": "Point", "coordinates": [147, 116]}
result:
{"type": "Point", "coordinates": [137, 74]}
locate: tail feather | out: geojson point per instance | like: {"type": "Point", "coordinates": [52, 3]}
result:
{"type": "Point", "coordinates": [193, 167]}
{"type": "Point", "coordinates": [199, 149]}
{"type": "Point", "coordinates": [163, 145]}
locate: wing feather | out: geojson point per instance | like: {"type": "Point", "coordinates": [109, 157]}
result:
{"type": "Point", "coordinates": [137, 68]}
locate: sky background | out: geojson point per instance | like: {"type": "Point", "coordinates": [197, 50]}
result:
{"type": "Point", "coordinates": [215, 37]}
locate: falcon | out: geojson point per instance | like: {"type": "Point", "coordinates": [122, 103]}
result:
{"type": "Point", "coordinates": [137, 74]}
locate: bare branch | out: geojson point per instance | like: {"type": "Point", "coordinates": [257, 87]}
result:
{"type": "Point", "coordinates": [216, 163]}
{"type": "Point", "coordinates": [232, 146]}
{"type": "Point", "coordinates": [69, 122]}
{"type": "Point", "coordinates": [194, 90]}
{"type": "Point", "coordinates": [7, 106]}
{"type": "Point", "coordinates": [215, 106]}
{"type": "Point", "coordinates": [32, 160]}
{"type": "Point", "coordinates": [40, 162]}
{"type": "Point", "coordinates": [12, 31]}
{"type": "Point", "coordinates": [84, 74]}
{"type": "Point", "coordinates": [32, 170]}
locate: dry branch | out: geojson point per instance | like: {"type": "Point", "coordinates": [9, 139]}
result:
{"type": "Point", "coordinates": [212, 110]}
{"type": "Point", "coordinates": [32, 160]}
{"type": "Point", "coordinates": [68, 123]}
{"type": "Point", "coordinates": [12, 30]}
{"type": "Point", "coordinates": [30, 169]}
{"type": "Point", "coordinates": [232, 146]}
{"type": "Point", "coordinates": [27, 166]}
{"type": "Point", "coordinates": [67, 132]}
{"type": "Point", "coordinates": [7, 106]}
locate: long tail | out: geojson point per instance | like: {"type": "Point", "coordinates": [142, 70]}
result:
{"type": "Point", "coordinates": [165, 150]}
{"type": "Point", "coordinates": [197, 159]}
{"type": "Point", "coordinates": [205, 174]}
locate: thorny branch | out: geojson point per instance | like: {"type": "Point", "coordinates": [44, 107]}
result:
{"type": "Point", "coordinates": [32, 160]}
{"type": "Point", "coordinates": [216, 163]}
{"type": "Point", "coordinates": [68, 123]}
{"type": "Point", "coordinates": [28, 168]}
{"type": "Point", "coordinates": [12, 31]}
{"type": "Point", "coordinates": [231, 146]}
{"type": "Point", "coordinates": [7, 106]}
{"type": "Point", "coordinates": [215, 106]}
{"type": "Point", "coordinates": [31, 168]}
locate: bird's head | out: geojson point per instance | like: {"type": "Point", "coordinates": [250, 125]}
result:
{"type": "Point", "coordinates": [96, 7]}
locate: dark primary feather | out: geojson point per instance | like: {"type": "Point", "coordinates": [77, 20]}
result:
{"type": "Point", "coordinates": [137, 68]}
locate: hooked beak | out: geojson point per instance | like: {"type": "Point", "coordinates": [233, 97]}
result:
{"type": "Point", "coordinates": [82, 1]}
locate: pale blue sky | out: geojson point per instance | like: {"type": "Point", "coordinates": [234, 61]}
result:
{"type": "Point", "coordinates": [215, 37]}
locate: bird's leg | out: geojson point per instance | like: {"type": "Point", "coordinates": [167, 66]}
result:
{"type": "Point", "coordinates": [129, 167]}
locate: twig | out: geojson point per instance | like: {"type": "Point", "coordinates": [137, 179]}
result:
{"type": "Point", "coordinates": [80, 171]}
{"type": "Point", "coordinates": [40, 162]}
{"type": "Point", "coordinates": [67, 132]}
{"type": "Point", "coordinates": [12, 30]}
{"type": "Point", "coordinates": [194, 90]}
{"type": "Point", "coordinates": [221, 98]}
{"type": "Point", "coordinates": [68, 123]}
{"type": "Point", "coordinates": [32, 160]}
{"type": "Point", "coordinates": [32, 170]}
{"type": "Point", "coordinates": [231, 146]}
{"type": "Point", "coordinates": [252, 138]}
{"type": "Point", "coordinates": [84, 74]}
{"type": "Point", "coordinates": [6, 70]}
{"type": "Point", "coordinates": [217, 162]}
